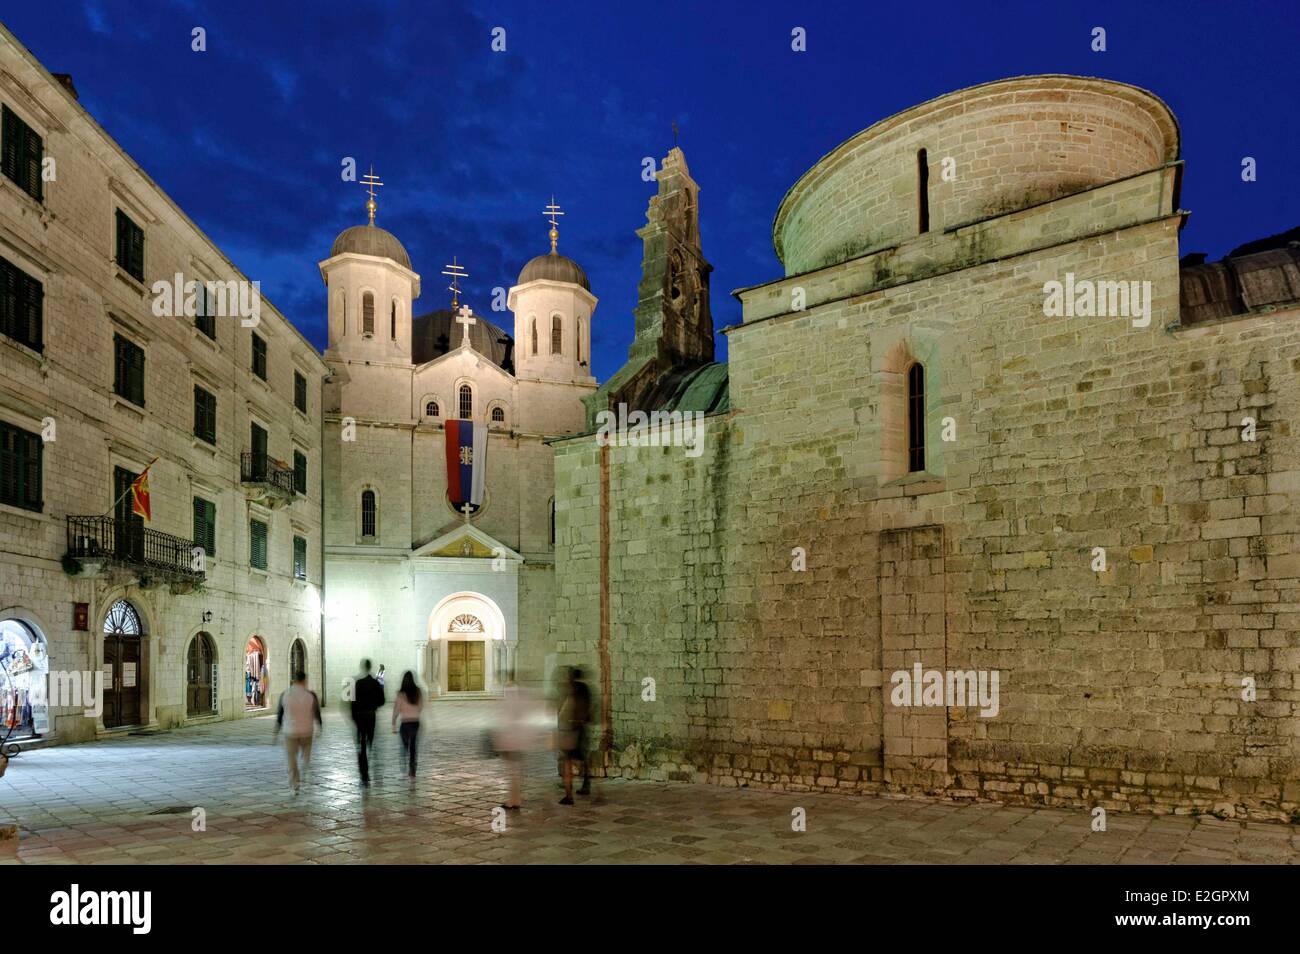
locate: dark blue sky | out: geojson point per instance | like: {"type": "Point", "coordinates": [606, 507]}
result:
{"type": "Point", "coordinates": [248, 137]}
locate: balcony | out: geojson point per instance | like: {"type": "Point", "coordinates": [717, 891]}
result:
{"type": "Point", "coordinates": [125, 550]}
{"type": "Point", "coordinates": [265, 480]}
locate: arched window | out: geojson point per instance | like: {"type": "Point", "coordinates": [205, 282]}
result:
{"type": "Point", "coordinates": [466, 402]}
{"type": "Point", "coordinates": [368, 314]}
{"type": "Point", "coordinates": [123, 620]}
{"type": "Point", "coordinates": [922, 191]}
{"type": "Point", "coordinates": [577, 348]}
{"type": "Point", "coordinates": [431, 409]}
{"type": "Point", "coordinates": [555, 334]}
{"type": "Point", "coordinates": [369, 514]}
{"type": "Point", "coordinates": [916, 417]}
{"type": "Point", "coordinates": [498, 415]}
{"type": "Point", "coordinates": [534, 333]}
{"type": "Point", "coordinates": [392, 320]}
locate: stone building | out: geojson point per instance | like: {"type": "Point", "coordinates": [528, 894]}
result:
{"type": "Point", "coordinates": [462, 600]}
{"type": "Point", "coordinates": [102, 370]}
{"type": "Point", "coordinates": [983, 423]}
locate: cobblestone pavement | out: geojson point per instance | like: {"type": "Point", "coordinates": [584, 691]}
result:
{"type": "Point", "coordinates": [103, 802]}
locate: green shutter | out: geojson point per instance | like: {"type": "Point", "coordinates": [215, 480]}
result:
{"type": "Point", "coordinates": [300, 472]}
{"type": "Point", "coordinates": [300, 558]}
{"type": "Point", "coordinates": [257, 544]}
{"type": "Point", "coordinates": [205, 525]}
{"type": "Point", "coordinates": [20, 468]}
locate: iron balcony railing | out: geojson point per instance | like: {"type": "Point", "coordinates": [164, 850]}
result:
{"type": "Point", "coordinates": [261, 469]}
{"type": "Point", "coordinates": [129, 543]}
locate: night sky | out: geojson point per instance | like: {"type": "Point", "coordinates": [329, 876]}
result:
{"type": "Point", "coordinates": [248, 137]}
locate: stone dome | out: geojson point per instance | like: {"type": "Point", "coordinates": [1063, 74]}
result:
{"type": "Point", "coordinates": [371, 240]}
{"type": "Point", "coordinates": [556, 268]}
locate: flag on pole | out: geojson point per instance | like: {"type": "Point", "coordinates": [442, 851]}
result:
{"type": "Point", "coordinates": [466, 462]}
{"type": "Point", "coordinates": [140, 494]}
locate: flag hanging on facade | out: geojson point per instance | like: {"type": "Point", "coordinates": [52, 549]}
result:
{"type": "Point", "coordinates": [140, 495]}
{"type": "Point", "coordinates": [466, 462]}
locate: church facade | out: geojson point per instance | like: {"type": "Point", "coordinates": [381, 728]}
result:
{"type": "Point", "coordinates": [462, 599]}
{"type": "Point", "coordinates": [987, 432]}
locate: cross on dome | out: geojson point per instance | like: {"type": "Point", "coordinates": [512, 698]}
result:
{"type": "Point", "coordinates": [370, 181]}
{"type": "Point", "coordinates": [552, 211]}
{"type": "Point", "coordinates": [465, 317]}
{"type": "Point", "coordinates": [457, 272]}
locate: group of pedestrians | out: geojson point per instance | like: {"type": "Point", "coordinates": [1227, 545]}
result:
{"type": "Point", "coordinates": [299, 717]}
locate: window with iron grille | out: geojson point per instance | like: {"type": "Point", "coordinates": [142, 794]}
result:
{"type": "Point", "coordinates": [205, 525]}
{"type": "Point", "coordinates": [130, 246]}
{"type": "Point", "coordinates": [259, 355]}
{"type": "Point", "coordinates": [22, 306]}
{"type": "Point", "coordinates": [299, 558]}
{"type": "Point", "coordinates": [20, 467]}
{"type": "Point", "coordinates": [300, 472]}
{"type": "Point", "coordinates": [257, 532]}
{"type": "Point", "coordinates": [916, 418]}
{"type": "Point", "coordinates": [498, 415]}
{"type": "Point", "coordinates": [22, 153]}
{"type": "Point", "coordinates": [466, 402]}
{"type": "Point", "coordinates": [128, 370]}
{"type": "Point", "coordinates": [205, 415]}
{"type": "Point", "coordinates": [300, 392]}
{"type": "Point", "coordinates": [204, 312]}
{"type": "Point", "coordinates": [368, 515]}
{"type": "Point", "coordinates": [431, 409]}
{"type": "Point", "coordinates": [556, 326]}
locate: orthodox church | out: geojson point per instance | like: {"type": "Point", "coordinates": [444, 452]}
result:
{"type": "Point", "coordinates": [459, 594]}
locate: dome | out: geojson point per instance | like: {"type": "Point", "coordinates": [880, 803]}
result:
{"type": "Point", "coordinates": [556, 268]}
{"type": "Point", "coordinates": [438, 332]}
{"type": "Point", "coordinates": [371, 240]}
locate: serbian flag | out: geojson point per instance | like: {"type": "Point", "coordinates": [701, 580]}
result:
{"type": "Point", "coordinates": [140, 494]}
{"type": "Point", "coordinates": [466, 462]}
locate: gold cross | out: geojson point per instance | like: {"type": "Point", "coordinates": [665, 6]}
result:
{"type": "Point", "coordinates": [552, 212]}
{"type": "Point", "coordinates": [457, 272]}
{"type": "Point", "coordinates": [370, 181]}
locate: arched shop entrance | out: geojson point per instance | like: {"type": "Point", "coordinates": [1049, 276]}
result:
{"type": "Point", "coordinates": [123, 632]}
{"type": "Point", "coordinates": [297, 658]}
{"type": "Point", "coordinates": [257, 674]}
{"type": "Point", "coordinates": [24, 671]}
{"type": "Point", "coordinates": [201, 677]}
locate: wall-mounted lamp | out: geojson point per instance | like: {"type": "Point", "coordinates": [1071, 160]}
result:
{"type": "Point", "coordinates": [207, 616]}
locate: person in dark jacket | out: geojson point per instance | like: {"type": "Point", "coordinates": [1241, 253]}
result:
{"type": "Point", "coordinates": [575, 714]}
{"type": "Point", "coordinates": [367, 698]}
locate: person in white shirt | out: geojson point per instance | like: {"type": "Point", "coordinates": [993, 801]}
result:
{"type": "Point", "coordinates": [299, 716]}
{"type": "Point", "coordinates": [407, 706]}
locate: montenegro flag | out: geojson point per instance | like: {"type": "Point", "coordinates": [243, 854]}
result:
{"type": "Point", "coordinates": [140, 494]}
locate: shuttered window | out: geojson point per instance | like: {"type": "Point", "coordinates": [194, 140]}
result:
{"type": "Point", "coordinates": [368, 314]}
{"type": "Point", "coordinates": [128, 370]}
{"type": "Point", "coordinates": [20, 467]}
{"type": "Point", "coordinates": [259, 355]}
{"type": "Point", "coordinates": [205, 415]}
{"type": "Point", "coordinates": [205, 525]}
{"type": "Point", "coordinates": [300, 472]}
{"type": "Point", "coordinates": [257, 544]}
{"type": "Point", "coordinates": [300, 558]}
{"type": "Point", "coordinates": [204, 312]}
{"type": "Point", "coordinates": [556, 333]}
{"type": "Point", "coordinates": [22, 153]}
{"type": "Point", "coordinates": [300, 392]}
{"type": "Point", "coordinates": [22, 306]}
{"type": "Point", "coordinates": [130, 246]}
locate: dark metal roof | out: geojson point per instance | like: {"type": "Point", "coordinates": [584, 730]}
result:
{"type": "Point", "coordinates": [371, 240]}
{"type": "Point", "coordinates": [704, 388]}
{"type": "Point", "coordinates": [556, 268]}
{"type": "Point", "coordinates": [436, 333]}
{"type": "Point", "coordinates": [1256, 277]}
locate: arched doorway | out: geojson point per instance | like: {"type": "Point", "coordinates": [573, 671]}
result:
{"type": "Point", "coordinates": [201, 677]}
{"type": "Point", "coordinates": [123, 630]}
{"type": "Point", "coordinates": [467, 649]}
{"type": "Point", "coordinates": [257, 674]}
{"type": "Point", "coordinates": [24, 668]}
{"type": "Point", "coordinates": [297, 659]}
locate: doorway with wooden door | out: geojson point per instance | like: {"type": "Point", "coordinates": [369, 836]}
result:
{"type": "Point", "coordinates": [465, 667]}
{"type": "Point", "coordinates": [123, 665]}
{"type": "Point", "coordinates": [201, 677]}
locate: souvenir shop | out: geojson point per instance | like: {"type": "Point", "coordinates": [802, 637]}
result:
{"type": "Point", "coordinates": [257, 674]}
{"type": "Point", "coordinates": [24, 667]}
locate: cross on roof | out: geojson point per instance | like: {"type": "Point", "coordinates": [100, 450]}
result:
{"type": "Point", "coordinates": [457, 272]}
{"type": "Point", "coordinates": [370, 181]}
{"type": "Point", "coordinates": [551, 213]}
{"type": "Point", "coordinates": [465, 317]}
{"type": "Point", "coordinates": [467, 508]}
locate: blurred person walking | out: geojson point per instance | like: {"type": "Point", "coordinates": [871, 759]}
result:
{"type": "Point", "coordinates": [407, 706]}
{"type": "Point", "coordinates": [299, 715]}
{"type": "Point", "coordinates": [367, 698]}
{"type": "Point", "coordinates": [514, 739]}
{"type": "Point", "coordinates": [574, 716]}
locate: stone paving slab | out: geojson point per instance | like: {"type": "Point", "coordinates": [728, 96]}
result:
{"type": "Point", "coordinates": [94, 803]}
